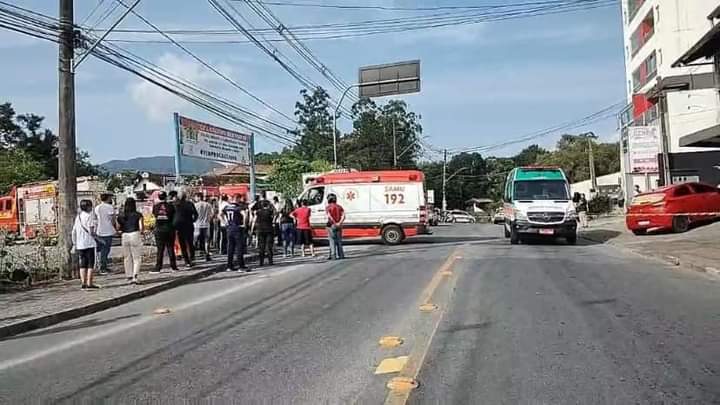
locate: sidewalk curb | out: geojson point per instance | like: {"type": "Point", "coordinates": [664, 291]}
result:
{"type": "Point", "coordinates": [52, 319]}
{"type": "Point", "coordinates": [666, 259]}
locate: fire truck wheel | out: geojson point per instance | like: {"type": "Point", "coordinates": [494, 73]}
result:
{"type": "Point", "coordinates": [392, 235]}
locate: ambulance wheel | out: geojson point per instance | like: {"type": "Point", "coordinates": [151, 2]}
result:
{"type": "Point", "coordinates": [514, 236]}
{"type": "Point", "coordinates": [392, 235]}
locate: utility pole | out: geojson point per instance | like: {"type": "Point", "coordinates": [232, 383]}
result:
{"type": "Point", "coordinates": [444, 181]}
{"type": "Point", "coordinates": [67, 182]}
{"type": "Point", "coordinates": [591, 159]}
{"type": "Point", "coordinates": [395, 157]}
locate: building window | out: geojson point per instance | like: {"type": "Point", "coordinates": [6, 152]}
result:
{"type": "Point", "coordinates": [645, 72]}
{"type": "Point", "coordinates": [633, 7]}
{"type": "Point", "coordinates": [642, 34]}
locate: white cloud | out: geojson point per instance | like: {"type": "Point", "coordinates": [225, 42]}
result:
{"type": "Point", "coordinates": [159, 104]}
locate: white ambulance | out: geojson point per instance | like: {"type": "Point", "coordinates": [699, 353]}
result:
{"type": "Point", "coordinates": [388, 204]}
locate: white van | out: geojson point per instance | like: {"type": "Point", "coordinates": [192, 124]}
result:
{"type": "Point", "coordinates": [388, 204]}
{"type": "Point", "coordinates": [537, 202]}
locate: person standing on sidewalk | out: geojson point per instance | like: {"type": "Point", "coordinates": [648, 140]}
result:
{"type": "Point", "coordinates": [582, 208]}
{"type": "Point", "coordinates": [130, 226]}
{"type": "Point", "coordinates": [164, 213]}
{"type": "Point", "coordinates": [83, 239]}
{"type": "Point", "coordinates": [223, 224]}
{"type": "Point", "coordinates": [235, 216]}
{"type": "Point", "coordinates": [304, 230]}
{"type": "Point", "coordinates": [263, 224]}
{"type": "Point", "coordinates": [336, 218]}
{"type": "Point", "coordinates": [277, 207]}
{"type": "Point", "coordinates": [287, 228]}
{"type": "Point", "coordinates": [183, 222]}
{"type": "Point", "coordinates": [202, 223]}
{"type": "Point", "coordinates": [105, 216]}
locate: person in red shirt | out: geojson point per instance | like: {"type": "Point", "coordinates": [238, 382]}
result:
{"type": "Point", "coordinates": [304, 230]}
{"type": "Point", "coordinates": [336, 218]}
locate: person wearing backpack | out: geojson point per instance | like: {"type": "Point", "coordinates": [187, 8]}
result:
{"type": "Point", "coordinates": [83, 239]}
{"type": "Point", "coordinates": [164, 213]}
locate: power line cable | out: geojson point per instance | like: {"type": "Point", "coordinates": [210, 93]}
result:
{"type": "Point", "coordinates": [213, 69]}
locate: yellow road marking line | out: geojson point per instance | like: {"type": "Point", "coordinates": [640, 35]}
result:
{"type": "Point", "coordinates": [391, 365]}
{"type": "Point", "coordinates": [390, 341]}
{"type": "Point", "coordinates": [401, 386]}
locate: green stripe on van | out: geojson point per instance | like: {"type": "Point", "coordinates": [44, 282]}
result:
{"type": "Point", "coordinates": [533, 174]}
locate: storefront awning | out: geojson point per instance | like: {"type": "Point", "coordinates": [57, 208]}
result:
{"type": "Point", "coordinates": [708, 137]}
{"type": "Point", "coordinates": [706, 47]}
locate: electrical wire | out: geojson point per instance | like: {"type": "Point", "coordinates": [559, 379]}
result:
{"type": "Point", "coordinates": [213, 69]}
{"type": "Point", "coordinates": [268, 49]}
{"type": "Point", "coordinates": [603, 114]}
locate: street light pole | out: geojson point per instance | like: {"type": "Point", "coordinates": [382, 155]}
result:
{"type": "Point", "coordinates": [444, 181]}
{"type": "Point", "coordinates": [335, 115]}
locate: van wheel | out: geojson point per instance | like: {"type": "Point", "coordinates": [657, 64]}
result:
{"type": "Point", "coordinates": [639, 231]}
{"type": "Point", "coordinates": [392, 235]}
{"type": "Point", "coordinates": [571, 239]}
{"type": "Point", "coordinates": [680, 224]}
{"type": "Point", "coordinates": [514, 236]}
{"type": "Point", "coordinates": [505, 230]}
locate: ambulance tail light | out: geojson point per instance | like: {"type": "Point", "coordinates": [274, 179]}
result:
{"type": "Point", "coordinates": [423, 214]}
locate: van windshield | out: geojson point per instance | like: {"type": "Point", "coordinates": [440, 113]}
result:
{"type": "Point", "coordinates": [541, 190]}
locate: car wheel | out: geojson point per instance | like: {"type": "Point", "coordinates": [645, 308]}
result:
{"type": "Point", "coordinates": [392, 235]}
{"type": "Point", "coordinates": [571, 239]}
{"type": "Point", "coordinates": [505, 231]}
{"type": "Point", "coordinates": [514, 236]}
{"type": "Point", "coordinates": [680, 224]}
{"type": "Point", "coordinates": [639, 232]}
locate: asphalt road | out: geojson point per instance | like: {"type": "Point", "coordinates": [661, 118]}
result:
{"type": "Point", "coordinates": [538, 323]}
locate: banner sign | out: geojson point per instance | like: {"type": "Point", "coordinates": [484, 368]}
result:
{"type": "Point", "coordinates": [200, 140]}
{"type": "Point", "coordinates": [643, 147]}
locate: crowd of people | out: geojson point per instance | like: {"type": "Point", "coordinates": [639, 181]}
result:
{"type": "Point", "coordinates": [226, 226]}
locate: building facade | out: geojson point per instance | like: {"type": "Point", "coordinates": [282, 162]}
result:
{"type": "Point", "coordinates": [667, 101]}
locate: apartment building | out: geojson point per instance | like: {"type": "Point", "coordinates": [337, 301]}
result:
{"type": "Point", "coordinates": [667, 100]}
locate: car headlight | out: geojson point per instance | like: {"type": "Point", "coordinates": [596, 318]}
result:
{"type": "Point", "coordinates": [572, 214]}
{"type": "Point", "coordinates": [520, 215]}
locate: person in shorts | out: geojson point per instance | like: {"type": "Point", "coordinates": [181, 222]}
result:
{"type": "Point", "coordinates": [304, 230]}
{"type": "Point", "coordinates": [83, 238]}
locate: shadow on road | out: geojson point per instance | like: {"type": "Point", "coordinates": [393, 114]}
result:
{"type": "Point", "coordinates": [80, 325]}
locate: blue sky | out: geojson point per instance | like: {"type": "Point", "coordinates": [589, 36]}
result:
{"type": "Point", "coordinates": [482, 84]}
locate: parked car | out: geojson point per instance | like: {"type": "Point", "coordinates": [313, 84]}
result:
{"type": "Point", "coordinates": [460, 216]}
{"type": "Point", "coordinates": [499, 216]}
{"type": "Point", "coordinates": [673, 208]}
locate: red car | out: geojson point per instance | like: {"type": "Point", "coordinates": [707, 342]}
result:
{"type": "Point", "coordinates": [673, 208]}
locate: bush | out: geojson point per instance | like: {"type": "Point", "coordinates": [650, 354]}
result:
{"type": "Point", "coordinates": [601, 204]}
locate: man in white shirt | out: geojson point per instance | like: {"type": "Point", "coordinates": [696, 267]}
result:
{"type": "Point", "coordinates": [223, 224]}
{"type": "Point", "coordinates": [202, 224]}
{"type": "Point", "coordinates": [105, 217]}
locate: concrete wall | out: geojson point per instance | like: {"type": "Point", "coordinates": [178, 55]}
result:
{"type": "Point", "coordinates": [583, 187]}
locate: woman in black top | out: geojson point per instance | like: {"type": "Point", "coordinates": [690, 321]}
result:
{"type": "Point", "coordinates": [130, 226]}
{"type": "Point", "coordinates": [287, 228]}
{"type": "Point", "coordinates": [263, 225]}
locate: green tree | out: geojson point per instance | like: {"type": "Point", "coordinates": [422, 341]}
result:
{"type": "Point", "coordinates": [18, 167]}
{"type": "Point", "coordinates": [315, 132]}
{"type": "Point", "coordinates": [286, 174]}
{"type": "Point", "coordinates": [572, 155]}
{"type": "Point", "coordinates": [25, 132]}
{"type": "Point", "coordinates": [370, 145]}
{"type": "Point", "coordinates": [530, 155]}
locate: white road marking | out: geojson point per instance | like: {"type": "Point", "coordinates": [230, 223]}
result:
{"type": "Point", "coordinates": [7, 364]}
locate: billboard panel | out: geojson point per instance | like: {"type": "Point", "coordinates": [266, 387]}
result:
{"type": "Point", "coordinates": [644, 146]}
{"type": "Point", "coordinates": [390, 79]}
{"type": "Point", "coordinates": [200, 140]}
